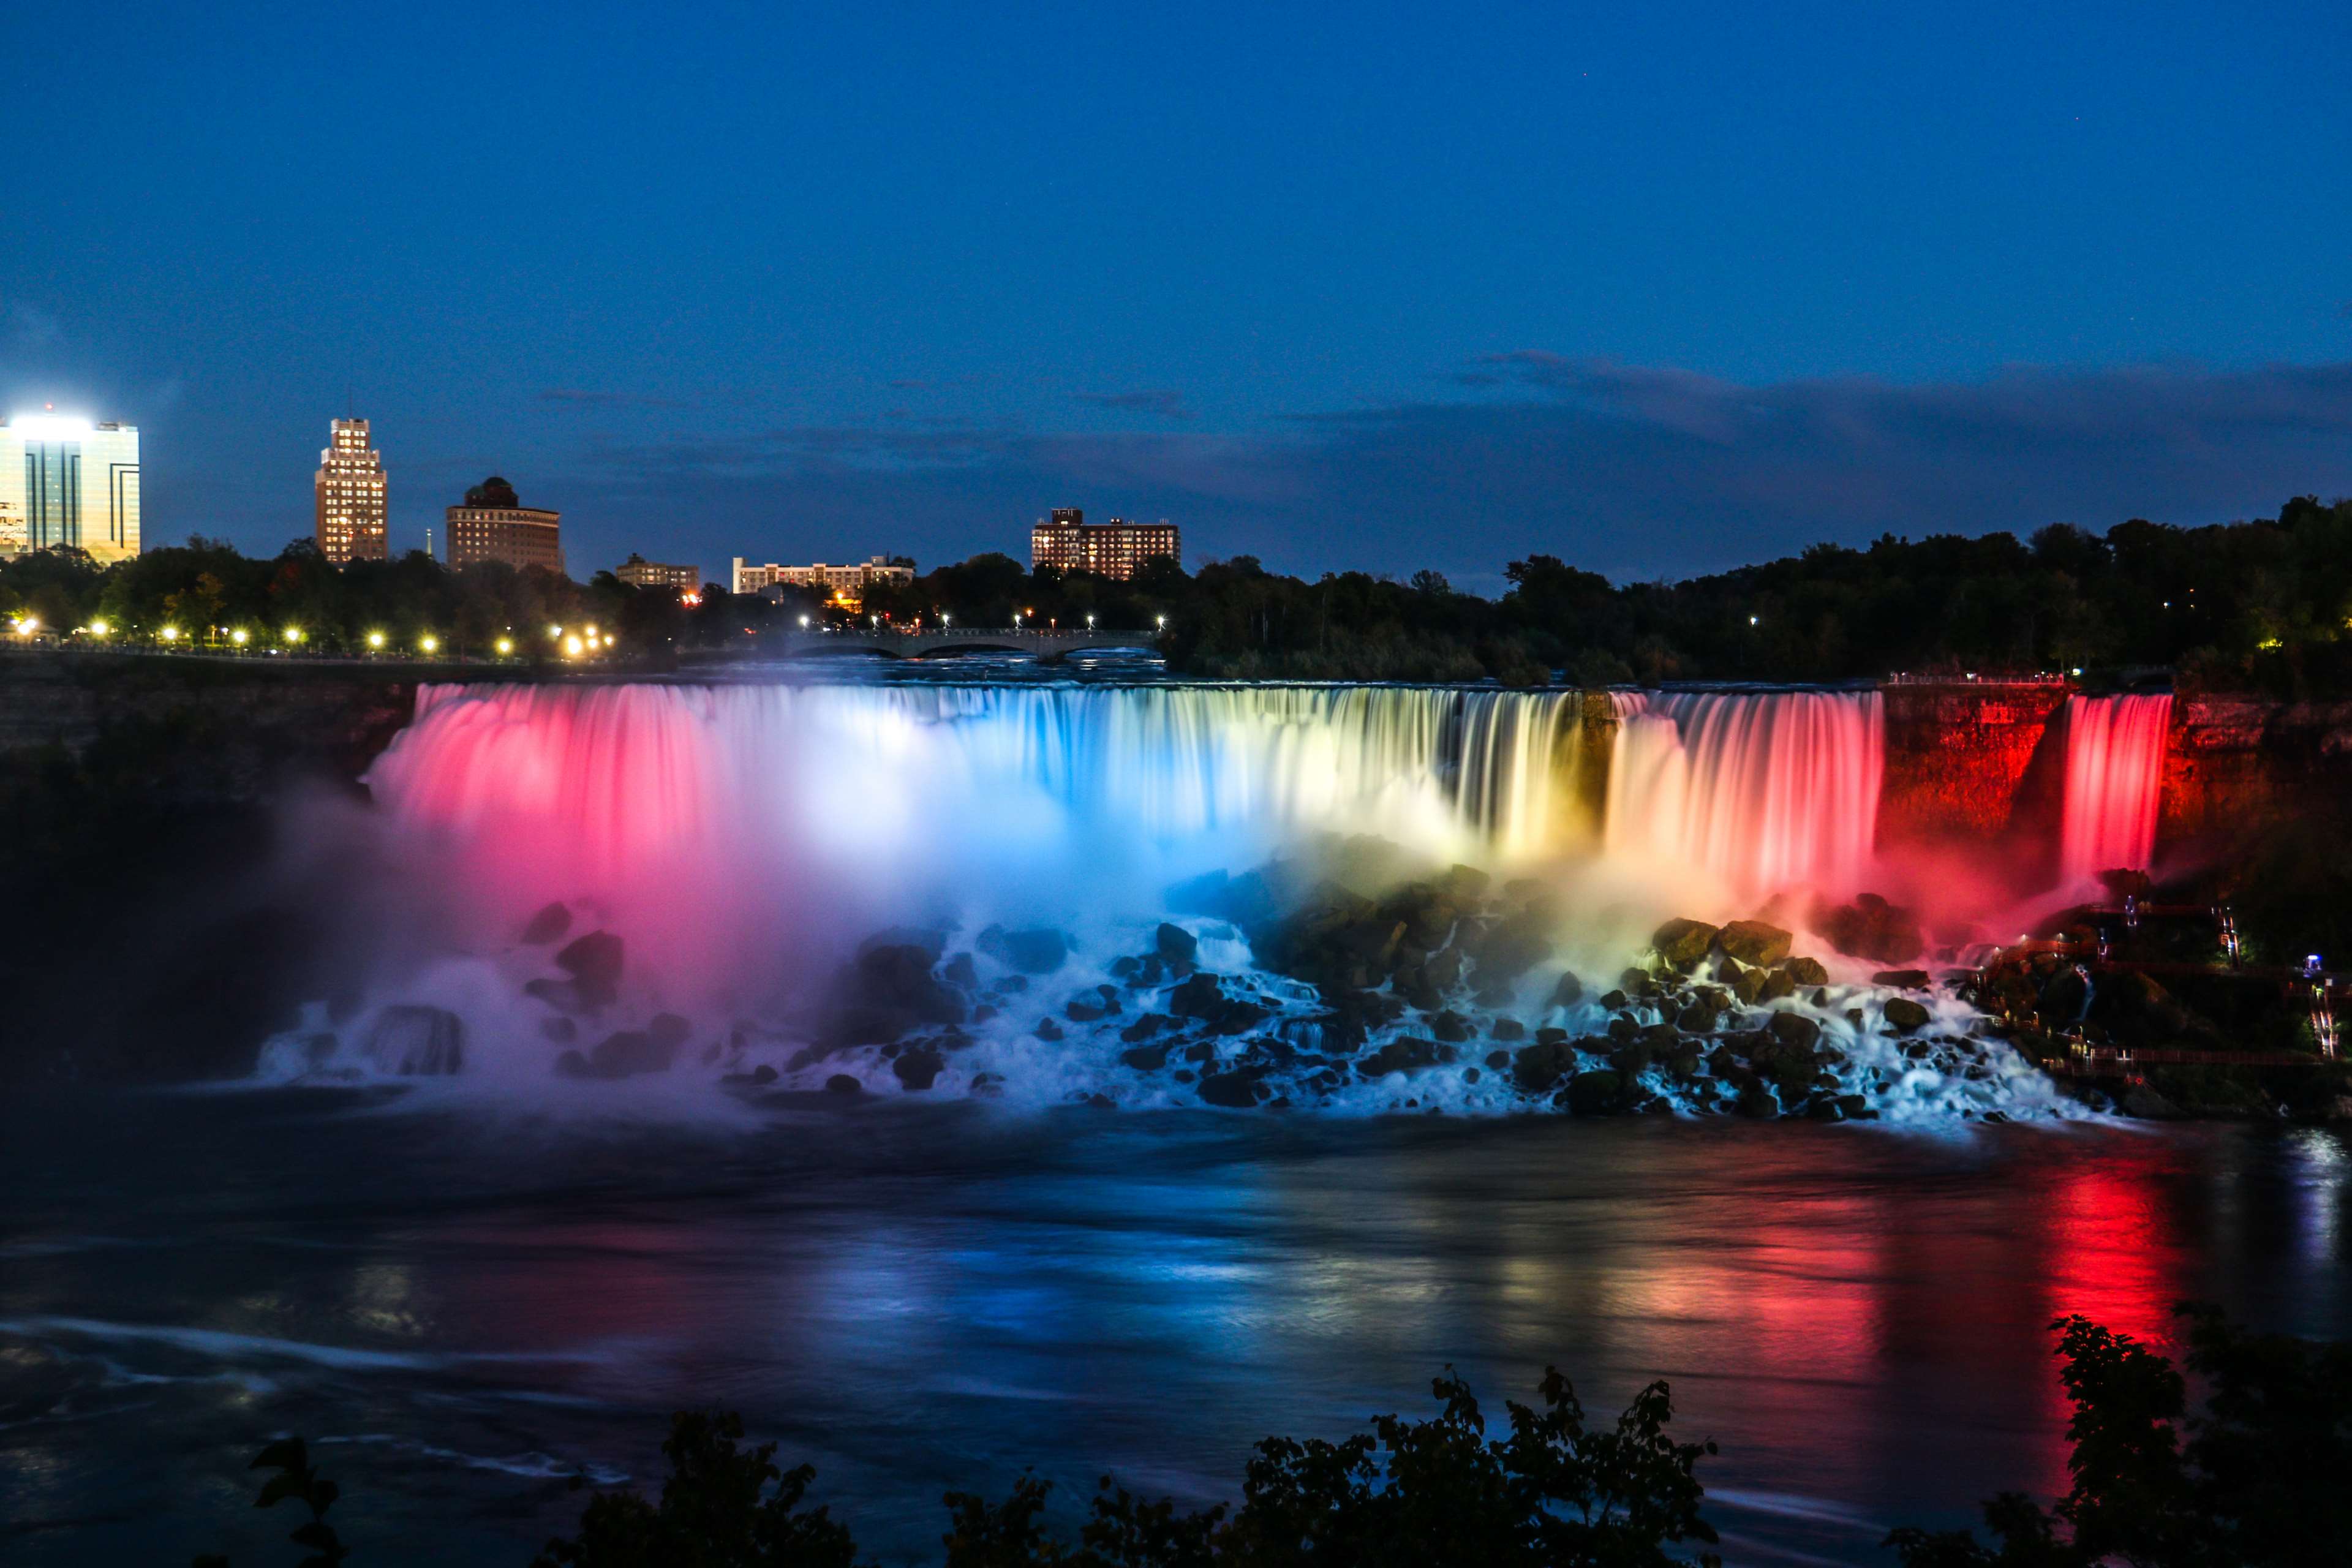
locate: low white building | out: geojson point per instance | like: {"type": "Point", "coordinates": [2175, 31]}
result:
{"type": "Point", "coordinates": [845, 584]}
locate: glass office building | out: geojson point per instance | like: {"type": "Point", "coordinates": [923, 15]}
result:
{"type": "Point", "coordinates": [68, 481]}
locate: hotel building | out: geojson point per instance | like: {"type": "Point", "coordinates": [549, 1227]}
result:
{"type": "Point", "coordinates": [643, 573]}
{"type": "Point", "coordinates": [351, 495]}
{"type": "Point", "coordinates": [494, 525]}
{"type": "Point", "coordinates": [70, 482]}
{"type": "Point", "coordinates": [844, 585]}
{"type": "Point", "coordinates": [1113, 548]}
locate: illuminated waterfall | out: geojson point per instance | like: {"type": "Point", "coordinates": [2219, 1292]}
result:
{"type": "Point", "coordinates": [1766, 790]}
{"type": "Point", "coordinates": [2115, 774]}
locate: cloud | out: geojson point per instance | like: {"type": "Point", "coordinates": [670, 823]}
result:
{"type": "Point", "coordinates": [581, 397]}
{"type": "Point", "coordinates": [1166, 403]}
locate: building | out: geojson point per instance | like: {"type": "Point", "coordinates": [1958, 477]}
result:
{"type": "Point", "coordinates": [351, 495]}
{"type": "Point", "coordinates": [843, 585]}
{"type": "Point", "coordinates": [68, 481]}
{"type": "Point", "coordinates": [645, 573]}
{"type": "Point", "coordinates": [494, 525]}
{"type": "Point", "coordinates": [1115, 549]}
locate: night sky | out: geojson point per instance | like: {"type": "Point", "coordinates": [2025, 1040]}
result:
{"type": "Point", "coordinates": [1657, 288]}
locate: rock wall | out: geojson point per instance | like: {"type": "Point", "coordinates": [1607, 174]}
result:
{"type": "Point", "coordinates": [2233, 760]}
{"type": "Point", "coordinates": [1969, 762]}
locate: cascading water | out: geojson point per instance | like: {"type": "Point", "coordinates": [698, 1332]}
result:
{"type": "Point", "coordinates": [2115, 776]}
{"type": "Point", "coordinates": [1767, 790]}
{"type": "Point", "coordinates": [997, 890]}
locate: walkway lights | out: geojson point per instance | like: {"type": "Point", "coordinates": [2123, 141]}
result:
{"type": "Point", "coordinates": [375, 640]}
{"type": "Point", "coordinates": [505, 646]}
{"type": "Point", "coordinates": [170, 633]}
{"type": "Point", "coordinates": [239, 636]}
{"type": "Point", "coordinates": [428, 643]}
{"type": "Point", "coordinates": [294, 635]}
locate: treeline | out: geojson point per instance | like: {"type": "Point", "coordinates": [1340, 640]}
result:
{"type": "Point", "coordinates": [2253, 1477]}
{"type": "Point", "coordinates": [2265, 605]}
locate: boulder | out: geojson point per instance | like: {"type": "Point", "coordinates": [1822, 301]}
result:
{"type": "Point", "coordinates": [1145, 1058]}
{"type": "Point", "coordinates": [549, 925]}
{"type": "Point", "coordinates": [1040, 950]}
{"type": "Point", "coordinates": [1511, 946]}
{"type": "Point", "coordinates": [839, 1083]}
{"type": "Point", "coordinates": [1567, 992]}
{"type": "Point", "coordinates": [593, 961]}
{"type": "Point", "coordinates": [2143, 1101]}
{"type": "Point", "coordinates": [1406, 1055]}
{"type": "Point", "coordinates": [1199, 997]}
{"type": "Point", "coordinates": [1747, 984]}
{"type": "Point", "coordinates": [1143, 1029]}
{"type": "Point", "coordinates": [1754, 942]}
{"type": "Point", "coordinates": [1508, 1029]}
{"type": "Point", "coordinates": [628, 1052]}
{"type": "Point", "coordinates": [1901, 979]}
{"type": "Point", "coordinates": [1903, 1013]}
{"type": "Point", "coordinates": [1871, 927]}
{"type": "Point", "coordinates": [1805, 972]}
{"type": "Point", "coordinates": [919, 1068]}
{"type": "Point", "coordinates": [1233, 1091]}
{"type": "Point", "coordinates": [1538, 1067]}
{"type": "Point", "coordinates": [1776, 983]}
{"type": "Point", "coordinates": [1598, 1092]}
{"type": "Point", "coordinates": [1451, 1028]}
{"type": "Point", "coordinates": [1795, 1029]}
{"type": "Point", "coordinates": [1683, 943]}
{"type": "Point", "coordinates": [962, 973]}
{"type": "Point", "coordinates": [1048, 1030]}
{"type": "Point", "coordinates": [1174, 944]}
{"type": "Point", "coordinates": [417, 1042]}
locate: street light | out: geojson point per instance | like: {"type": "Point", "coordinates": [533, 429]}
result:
{"type": "Point", "coordinates": [506, 646]}
{"type": "Point", "coordinates": [571, 646]}
{"type": "Point", "coordinates": [1163, 622]}
{"type": "Point", "coordinates": [804, 623]}
{"type": "Point", "coordinates": [239, 637]}
{"type": "Point", "coordinates": [554, 632]}
{"type": "Point", "coordinates": [97, 629]}
{"type": "Point", "coordinates": [294, 633]}
{"type": "Point", "coordinates": [428, 643]}
{"type": "Point", "coordinates": [375, 639]}
{"type": "Point", "coordinates": [1090, 622]}
{"type": "Point", "coordinates": [171, 633]}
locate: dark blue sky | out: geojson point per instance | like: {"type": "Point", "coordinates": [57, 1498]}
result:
{"type": "Point", "coordinates": [1655, 288]}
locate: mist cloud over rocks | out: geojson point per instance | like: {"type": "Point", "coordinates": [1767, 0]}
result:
{"type": "Point", "coordinates": [1638, 471]}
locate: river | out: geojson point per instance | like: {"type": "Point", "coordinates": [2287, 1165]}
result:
{"type": "Point", "coordinates": [462, 1305]}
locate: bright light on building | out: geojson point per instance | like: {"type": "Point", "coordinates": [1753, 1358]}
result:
{"type": "Point", "coordinates": [49, 426]}
{"type": "Point", "coordinates": [27, 624]}
{"type": "Point", "coordinates": [591, 634]}
{"type": "Point", "coordinates": [375, 639]}
{"type": "Point", "coordinates": [555, 631]}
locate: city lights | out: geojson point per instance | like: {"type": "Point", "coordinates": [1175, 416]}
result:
{"type": "Point", "coordinates": [97, 629]}
{"type": "Point", "coordinates": [505, 646]}
{"type": "Point", "coordinates": [804, 623]}
{"type": "Point", "coordinates": [428, 643]}
{"type": "Point", "coordinates": [375, 639]}
{"type": "Point", "coordinates": [170, 633]}
{"type": "Point", "coordinates": [554, 633]}
{"type": "Point", "coordinates": [239, 636]}
{"type": "Point", "coordinates": [27, 625]}
{"type": "Point", "coordinates": [573, 646]}
{"type": "Point", "coordinates": [293, 635]}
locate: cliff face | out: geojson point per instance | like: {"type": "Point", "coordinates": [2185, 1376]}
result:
{"type": "Point", "coordinates": [1972, 761]}
{"type": "Point", "coordinates": [2234, 759]}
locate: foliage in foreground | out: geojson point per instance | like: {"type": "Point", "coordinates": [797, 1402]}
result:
{"type": "Point", "coordinates": [2253, 1479]}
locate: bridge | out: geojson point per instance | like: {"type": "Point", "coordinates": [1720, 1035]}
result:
{"type": "Point", "coordinates": [1050, 644]}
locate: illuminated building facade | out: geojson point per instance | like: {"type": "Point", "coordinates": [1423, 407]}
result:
{"type": "Point", "coordinates": [1119, 548]}
{"type": "Point", "coordinates": [69, 482]}
{"type": "Point", "coordinates": [494, 525]}
{"type": "Point", "coordinates": [645, 573]}
{"type": "Point", "coordinates": [843, 585]}
{"type": "Point", "coordinates": [351, 495]}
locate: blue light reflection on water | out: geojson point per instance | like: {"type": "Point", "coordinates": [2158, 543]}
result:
{"type": "Point", "coordinates": [920, 1298]}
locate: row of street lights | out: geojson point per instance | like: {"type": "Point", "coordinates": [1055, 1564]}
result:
{"type": "Point", "coordinates": [585, 642]}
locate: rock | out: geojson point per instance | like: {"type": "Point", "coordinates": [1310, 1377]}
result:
{"type": "Point", "coordinates": [1901, 979]}
{"type": "Point", "coordinates": [1452, 1028]}
{"type": "Point", "coordinates": [1595, 1093]}
{"type": "Point", "coordinates": [1501, 1059]}
{"type": "Point", "coordinates": [1200, 1051]}
{"type": "Point", "coordinates": [2143, 1101]}
{"type": "Point", "coordinates": [1697, 1017]}
{"type": "Point", "coordinates": [1174, 944]}
{"type": "Point", "coordinates": [1613, 1001]}
{"type": "Point", "coordinates": [1747, 984]}
{"type": "Point", "coordinates": [1407, 1054]}
{"type": "Point", "coordinates": [669, 1031]}
{"type": "Point", "coordinates": [918, 1070]}
{"type": "Point", "coordinates": [1233, 1091]}
{"type": "Point", "coordinates": [1143, 1029]}
{"type": "Point", "coordinates": [1902, 1012]}
{"type": "Point", "coordinates": [1081, 1011]}
{"type": "Point", "coordinates": [1508, 1029]}
{"type": "Point", "coordinates": [1512, 946]}
{"type": "Point", "coordinates": [842, 1083]}
{"type": "Point", "coordinates": [1795, 1029]}
{"type": "Point", "coordinates": [593, 961]}
{"type": "Point", "coordinates": [1047, 1029]}
{"type": "Point", "coordinates": [571, 1064]}
{"type": "Point", "coordinates": [1683, 943]}
{"type": "Point", "coordinates": [1776, 983]}
{"type": "Point", "coordinates": [763, 1074]}
{"type": "Point", "coordinates": [887, 991]}
{"type": "Point", "coordinates": [1754, 942]}
{"type": "Point", "coordinates": [417, 1042]}
{"type": "Point", "coordinates": [1145, 1058]}
{"type": "Point", "coordinates": [628, 1052]}
{"type": "Point", "coordinates": [1538, 1067]}
{"type": "Point", "coordinates": [962, 973]}
{"type": "Point", "coordinates": [548, 925]}
{"type": "Point", "coordinates": [1551, 1035]}
{"type": "Point", "coordinates": [1871, 927]}
{"type": "Point", "coordinates": [1567, 992]}
{"type": "Point", "coordinates": [1755, 1102]}
{"type": "Point", "coordinates": [1805, 972]}
{"type": "Point", "coordinates": [1038, 951]}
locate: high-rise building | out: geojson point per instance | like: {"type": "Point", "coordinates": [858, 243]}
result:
{"type": "Point", "coordinates": [1115, 549]}
{"type": "Point", "coordinates": [68, 481]}
{"type": "Point", "coordinates": [494, 525]}
{"type": "Point", "coordinates": [844, 585]}
{"type": "Point", "coordinates": [351, 495]}
{"type": "Point", "coordinates": [647, 573]}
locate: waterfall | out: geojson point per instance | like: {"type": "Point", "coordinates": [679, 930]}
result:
{"type": "Point", "coordinates": [1767, 790]}
{"type": "Point", "coordinates": [2115, 776]}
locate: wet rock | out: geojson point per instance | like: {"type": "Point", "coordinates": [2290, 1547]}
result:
{"type": "Point", "coordinates": [1596, 1093]}
{"type": "Point", "coordinates": [1551, 1035]}
{"type": "Point", "coordinates": [571, 1064]}
{"type": "Point", "coordinates": [763, 1074]}
{"type": "Point", "coordinates": [1513, 945]}
{"type": "Point", "coordinates": [1631, 1061]}
{"type": "Point", "coordinates": [1538, 1067]}
{"type": "Point", "coordinates": [1806, 972]}
{"type": "Point", "coordinates": [1048, 1030]}
{"type": "Point", "coordinates": [562, 1031]}
{"type": "Point", "coordinates": [1567, 992]}
{"type": "Point", "coordinates": [842, 1083]}
{"type": "Point", "coordinates": [2141, 1100]}
{"type": "Point", "coordinates": [1081, 1011]}
{"type": "Point", "coordinates": [887, 991]}
{"type": "Point", "coordinates": [1795, 1029]}
{"type": "Point", "coordinates": [1501, 1059]}
{"type": "Point", "coordinates": [1127, 968]}
{"type": "Point", "coordinates": [1683, 943]}
{"type": "Point", "coordinates": [1755, 1102]}
{"type": "Point", "coordinates": [1443, 972]}
{"type": "Point", "coordinates": [1508, 1029]}
{"type": "Point", "coordinates": [548, 925]}
{"type": "Point", "coordinates": [1776, 983]}
{"type": "Point", "coordinates": [628, 1052]}
{"type": "Point", "coordinates": [1901, 979]}
{"type": "Point", "coordinates": [593, 962]}
{"type": "Point", "coordinates": [1902, 1012]}
{"type": "Point", "coordinates": [417, 1042]}
{"type": "Point", "coordinates": [1747, 984]}
{"type": "Point", "coordinates": [1040, 950]}
{"type": "Point", "coordinates": [1145, 1058]}
{"type": "Point", "coordinates": [1231, 1090]}
{"type": "Point", "coordinates": [669, 1031]}
{"type": "Point", "coordinates": [1623, 1027]}
{"type": "Point", "coordinates": [1697, 1017]}
{"type": "Point", "coordinates": [1451, 1028]}
{"type": "Point", "coordinates": [1871, 927]}
{"type": "Point", "coordinates": [918, 1070]}
{"type": "Point", "coordinates": [1406, 1055]}
{"type": "Point", "coordinates": [1199, 997]}
{"type": "Point", "coordinates": [1613, 1001]}
{"type": "Point", "coordinates": [961, 971]}
{"type": "Point", "coordinates": [1201, 1051]}
{"type": "Point", "coordinates": [1754, 942]}
{"type": "Point", "coordinates": [1143, 1029]}
{"type": "Point", "coordinates": [1174, 944]}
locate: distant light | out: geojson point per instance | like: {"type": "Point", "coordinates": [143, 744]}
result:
{"type": "Point", "coordinates": [49, 426]}
{"type": "Point", "coordinates": [555, 631]}
{"type": "Point", "coordinates": [99, 628]}
{"type": "Point", "coordinates": [591, 634]}
{"type": "Point", "coordinates": [1090, 623]}
{"type": "Point", "coordinates": [610, 639]}
{"type": "Point", "coordinates": [2077, 670]}
{"type": "Point", "coordinates": [293, 633]}
{"type": "Point", "coordinates": [239, 637]}
{"type": "Point", "coordinates": [945, 617]}
{"type": "Point", "coordinates": [171, 633]}
{"type": "Point", "coordinates": [506, 646]}
{"type": "Point", "coordinates": [428, 643]}
{"type": "Point", "coordinates": [375, 639]}
{"type": "Point", "coordinates": [27, 624]}
{"type": "Point", "coordinates": [1751, 620]}
{"type": "Point", "coordinates": [804, 623]}
{"type": "Point", "coordinates": [573, 646]}
{"type": "Point", "coordinates": [689, 600]}
{"type": "Point", "coordinates": [1163, 622]}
